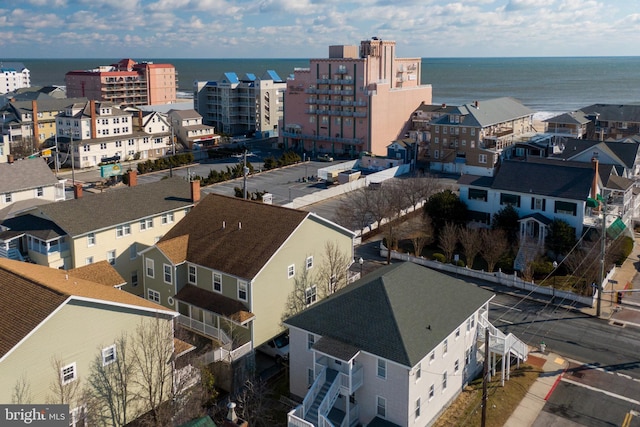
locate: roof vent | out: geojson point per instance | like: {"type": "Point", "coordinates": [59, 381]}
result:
{"type": "Point", "coordinates": [224, 224]}
{"type": "Point", "coordinates": [239, 225]}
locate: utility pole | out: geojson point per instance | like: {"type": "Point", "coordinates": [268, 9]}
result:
{"type": "Point", "coordinates": [245, 171]}
{"type": "Point", "coordinates": [173, 150]}
{"type": "Point", "coordinates": [73, 155]}
{"type": "Point", "coordinates": [602, 251]}
{"type": "Point", "coordinates": [485, 374]}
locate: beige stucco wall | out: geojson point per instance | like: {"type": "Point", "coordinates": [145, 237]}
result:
{"type": "Point", "coordinates": [77, 333]}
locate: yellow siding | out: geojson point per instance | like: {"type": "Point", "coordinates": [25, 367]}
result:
{"type": "Point", "coordinates": [77, 333]}
{"type": "Point", "coordinates": [271, 287]}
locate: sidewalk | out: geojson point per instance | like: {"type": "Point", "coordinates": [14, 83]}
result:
{"type": "Point", "coordinates": [531, 405]}
{"type": "Point", "coordinates": [622, 279]}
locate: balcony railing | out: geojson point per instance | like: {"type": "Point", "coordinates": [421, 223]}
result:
{"type": "Point", "coordinates": [203, 328]}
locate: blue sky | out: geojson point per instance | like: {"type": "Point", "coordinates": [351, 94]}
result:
{"type": "Point", "coordinates": [305, 28]}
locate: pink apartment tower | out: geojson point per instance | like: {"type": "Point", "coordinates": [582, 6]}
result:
{"type": "Point", "coordinates": [357, 100]}
{"type": "Point", "coordinates": [125, 83]}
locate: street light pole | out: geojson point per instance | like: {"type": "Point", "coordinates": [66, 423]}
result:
{"type": "Point", "coordinates": [361, 262]}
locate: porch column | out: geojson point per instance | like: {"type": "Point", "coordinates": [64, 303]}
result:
{"type": "Point", "coordinates": [523, 230]}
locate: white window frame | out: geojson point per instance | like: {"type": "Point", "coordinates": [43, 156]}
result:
{"type": "Point", "coordinates": [432, 357]}
{"type": "Point", "coordinates": [482, 158]}
{"type": "Point", "coordinates": [167, 218]}
{"type": "Point", "coordinates": [108, 355]}
{"type": "Point", "coordinates": [111, 257]}
{"type": "Point", "coordinates": [243, 287]}
{"type": "Point", "coordinates": [68, 373]}
{"type": "Point", "coordinates": [445, 347]}
{"type": "Point", "coordinates": [217, 279]}
{"type": "Point", "coordinates": [311, 340]}
{"type": "Point", "coordinates": [91, 239]}
{"type": "Point", "coordinates": [167, 272]}
{"type": "Point", "coordinates": [146, 224]}
{"type": "Point", "coordinates": [456, 366]}
{"type": "Point", "coordinates": [8, 197]}
{"type": "Point", "coordinates": [149, 268]}
{"type": "Point", "coordinates": [444, 381]}
{"type": "Point", "coordinates": [291, 271]}
{"type": "Point", "coordinates": [381, 407]}
{"type": "Point", "coordinates": [309, 262]}
{"type": "Point", "coordinates": [417, 410]}
{"type": "Point", "coordinates": [153, 295]}
{"type": "Point", "coordinates": [432, 391]}
{"type": "Point", "coordinates": [457, 333]}
{"type": "Point", "coordinates": [381, 368]}
{"type": "Point", "coordinates": [123, 230]}
{"type": "Point", "coordinates": [419, 372]}
{"type": "Point", "coordinates": [40, 192]}
{"type": "Point", "coordinates": [192, 274]}
{"type": "Point", "coordinates": [311, 295]}
{"type": "Point", "coordinates": [88, 260]}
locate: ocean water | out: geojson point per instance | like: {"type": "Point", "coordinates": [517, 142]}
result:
{"type": "Point", "coordinates": [546, 85]}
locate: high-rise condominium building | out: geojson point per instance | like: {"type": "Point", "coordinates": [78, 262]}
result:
{"type": "Point", "coordinates": [354, 101]}
{"type": "Point", "coordinates": [241, 105]}
{"type": "Point", "coordinates": [125, 83]}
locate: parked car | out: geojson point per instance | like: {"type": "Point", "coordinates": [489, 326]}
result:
{"type": "Point", "coordinates": [325, 158]}
{"type": "Point", "coordinates": [277, 347]}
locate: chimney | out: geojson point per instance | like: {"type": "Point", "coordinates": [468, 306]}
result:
{"type": "Point", "coordinates": [92, 107]}
{"type": "Point", "coordinates": [594, 186]}
{"type": "Point", "coordinates": [444, 105]}
{"type": "Point", "coordinates": [195, 191]}
{"type": "Point", "coordinates": [140, 121]}
{"type": "Point", "coordinates": [77, 190]}
{"type": "Point", "coordinates": [10, 159]}
{"type": "Point", "coordinates": [34, 110]}
{"type": "Point", "coordinates": [476, 104]}
{"type": "Point", "coordinates": [232, 419]}
{"type": "Point", "coordinates": [133, 178]}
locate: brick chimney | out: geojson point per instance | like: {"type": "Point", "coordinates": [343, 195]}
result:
{"type": "Point", "coordinates": [34, 108]}
{"type": "Point", "coordinates": [232, 419]}
{"type": "Point", "coordinates": [140, 126]}
{"type": "Point", "coordinates": [10, 159]}
{"type": "Point", "coordinates": [77, 190]}
{"type": "Point", "coordinates": [92, 107]}
{"type": "Point", "coordinates": [133, 178]}
{"type": "Point", "coordinates": [195, 190]}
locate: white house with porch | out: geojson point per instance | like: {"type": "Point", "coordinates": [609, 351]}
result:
{"type": "Point", "coordinates": [394, 349]}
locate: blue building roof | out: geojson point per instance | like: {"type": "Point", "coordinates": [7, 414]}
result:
{"type": "Point", "coordinates": [274, 76]}
{"type": "Point", "coordinates": [231, 77]}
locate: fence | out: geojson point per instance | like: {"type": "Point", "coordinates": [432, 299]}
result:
{"type": "Point", "coordinates": [510, 280]}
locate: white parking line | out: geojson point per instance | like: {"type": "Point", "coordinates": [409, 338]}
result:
{"type": "Point", "coordinates": [505, 306]}
{"type": "Point", "coordinates": [608, 393]}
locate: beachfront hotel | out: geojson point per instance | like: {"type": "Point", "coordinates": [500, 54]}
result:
{"type": "Point", "coordinates": [126, 83]}
{"type": "Point", "coordinates": [13, 76]}
{"type": "Point", "coordinates": [357, 100]}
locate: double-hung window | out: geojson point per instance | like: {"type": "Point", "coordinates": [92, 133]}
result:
{"type": "Point", "coordinates": [108, 355]}
{"type": "Point", "coordinates": [193, 275]}
{"type": "Point", "coordinates": [217, 282]}
{"type": "Point", "coordinates": [168, 274]}
{"type": "Point", "coordinates": [68, 373]}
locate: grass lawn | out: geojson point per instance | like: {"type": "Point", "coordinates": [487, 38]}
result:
{"type": "Point", "coordinates": [502, 401]}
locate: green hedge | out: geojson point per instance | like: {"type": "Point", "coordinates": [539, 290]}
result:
{"type": "Point", "coordinates": [165, 162]}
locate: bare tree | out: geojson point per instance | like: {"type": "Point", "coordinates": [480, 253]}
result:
{"type": "Point", "coordinates": [333, 273]}
{"type": "Point", "coordinates": [110, 383]}
{"type": "Point", "coordinates": [64, 392]}
{"type": "Point", "coordinates": [153, 358]}
{"type": "Point", "coordinates": [420, 231]}
{"type": "Point", "coordinates": [471, 242]}
{"type": "Point", "coordinates": [419, 187]}
{"type": "Point", "coordinates": [354, 212]}
{"type": "Point", "coordinates": [494, 245]}
{"type": "Point", "coordinates": [22, 391]}
{"type": "Point", "coordinates": [302, 295]}
{"type": "Point", "coordinates": [448, 240]}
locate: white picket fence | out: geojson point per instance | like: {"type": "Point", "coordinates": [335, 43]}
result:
{"type": "Point", "coordinates": [511, 280]}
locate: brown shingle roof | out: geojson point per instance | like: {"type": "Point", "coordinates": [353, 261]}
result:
{"type": "Point", "coordinates": [29, 293]}
{"type": "Point", "coordinates": [175, 249]}
{"type": "Point", "coordinates": [100, 272]}
{"type": "Point", "coordinates": [216, 303]}
{"type": "Point", "coordinates": [235, 236]}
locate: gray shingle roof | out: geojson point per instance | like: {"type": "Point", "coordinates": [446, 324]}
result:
{"type": "Point", "coordinates": [614, 112]}
{"type": "Point", "coordinates": [25, 175]}
{"type": "Point", "coordinates": [490, 112]}
{"type": "Point", "coordinates": [38, 227]}
{"type": "Point", "coordinates": [400, 312]}
{"type": "Point", "coordinates": [573, 117]}
{"type": "Point", "coordinates": [544, 179]}
{"type": "Point", "coordinates": [118, 206]}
